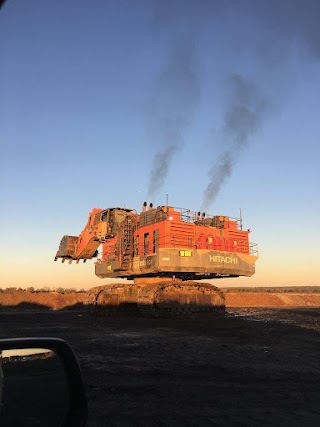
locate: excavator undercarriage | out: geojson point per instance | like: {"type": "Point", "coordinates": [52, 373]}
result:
{"type": "Point", "coordinates": [158, 297]}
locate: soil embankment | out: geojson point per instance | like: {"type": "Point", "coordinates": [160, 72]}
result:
{"type": "Point", "coordinates": [56, 301]}
{"type": "Point", "coordinates": [45, 300]}
{"type": "Point", "coordinates": [274, 299]}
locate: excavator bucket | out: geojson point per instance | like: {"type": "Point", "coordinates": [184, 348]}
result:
{"type": "Point", "coordinates": [67, 248]}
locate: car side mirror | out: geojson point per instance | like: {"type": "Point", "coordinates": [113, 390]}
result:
{"type": "Point", "coordinates": [40, 383]}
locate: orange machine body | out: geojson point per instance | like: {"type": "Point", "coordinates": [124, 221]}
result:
{"type": "Point", "coordinates": [162, 241]}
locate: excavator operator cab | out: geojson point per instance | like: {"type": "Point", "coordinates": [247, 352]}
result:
{"type": "Point", "coordinates": [106, 222]}
{"type": "Point", "coordinates": [112, 217]}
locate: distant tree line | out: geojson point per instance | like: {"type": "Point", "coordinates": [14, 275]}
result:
{"type": "Point", "coordinates": [31, 289]}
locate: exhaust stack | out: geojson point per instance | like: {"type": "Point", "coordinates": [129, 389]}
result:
{"type": "Point", "coordinates": [144, 207]}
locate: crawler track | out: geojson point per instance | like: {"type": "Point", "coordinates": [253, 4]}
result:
{"type": "Point", "coordinates": [162, 298]}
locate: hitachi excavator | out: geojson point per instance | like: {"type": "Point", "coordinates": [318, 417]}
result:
{"type": "Point", "coordinates": [166, 252]}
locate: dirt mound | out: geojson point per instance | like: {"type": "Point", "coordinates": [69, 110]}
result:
{"type": "Point", "coordinates": [56, 301]}
{"type": "Point", "coordinates": [267, 299]}
{"type": "Point", "coordinates": [38, 300]}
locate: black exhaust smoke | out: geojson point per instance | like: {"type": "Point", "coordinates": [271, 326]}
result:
{"type": "Point", "coordinates": [245, 111]}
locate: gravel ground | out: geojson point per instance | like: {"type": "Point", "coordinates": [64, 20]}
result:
{"type": "Point", "coordinates": [249, 367]}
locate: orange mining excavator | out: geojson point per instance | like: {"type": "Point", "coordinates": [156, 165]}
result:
{"type": "Point", "coordinates": [164, 250]}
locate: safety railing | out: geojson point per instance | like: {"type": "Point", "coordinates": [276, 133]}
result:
{"type": "Point", "coordinates": [190, 216]}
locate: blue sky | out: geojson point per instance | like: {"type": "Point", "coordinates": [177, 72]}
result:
{"type": "Point", "coordinates": [92, 92]}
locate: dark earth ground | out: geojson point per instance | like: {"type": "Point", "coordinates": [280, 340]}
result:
{"type": "Point", "coordinates": [250, 367]}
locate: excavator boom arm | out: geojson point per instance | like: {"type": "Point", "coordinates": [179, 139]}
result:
{"type": "Point", "coordinates": [103, 224]}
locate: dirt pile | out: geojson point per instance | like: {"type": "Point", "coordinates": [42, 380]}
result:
{"type": "Point", "coordinates": [50, 300]}
{"type": "Point", "coordinates": [267, 299]}
{"type": "Point", "coordinates": [58, 301]}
